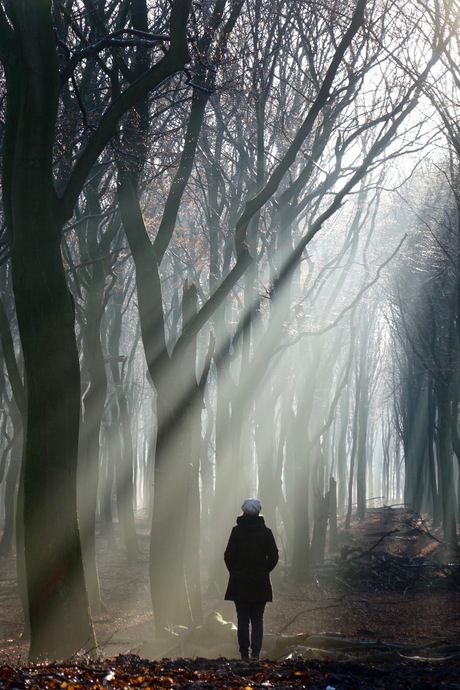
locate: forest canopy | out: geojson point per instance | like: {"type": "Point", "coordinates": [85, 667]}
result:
{"type": "Point", "coordinates": [229, 268]}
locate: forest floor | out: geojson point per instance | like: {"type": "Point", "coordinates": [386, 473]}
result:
{"type": "Point", "coordinates": [384, 612]}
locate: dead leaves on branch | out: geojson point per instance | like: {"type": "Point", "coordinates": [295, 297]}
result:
{"type": "Point", "coordinates": [406, 558]}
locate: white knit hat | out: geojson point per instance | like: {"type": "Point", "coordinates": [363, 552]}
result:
{"type": "Point", "coordinates": [251, 506]}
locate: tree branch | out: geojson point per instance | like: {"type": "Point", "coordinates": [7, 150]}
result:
{"type": "Point", "coordinates": [108, 41]}
{"type": "Point", "coordinates": [174, 61]}
{"type": "Point", "coordinates": [6, 36]}
{"type": "Point", "coordinates": [255, 204]}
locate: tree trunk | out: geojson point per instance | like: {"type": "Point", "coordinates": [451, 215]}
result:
{"type": "Point", "coordinates": [93, 407]}
{"type": "Point", "coordinates": [58, 606]}
{"type": "Point", "coordinates": [446, 468]}
{"type": "Point", "coordinates": [18, 417]}
{"type": "Point", "coordinates": [108, 477]}
{"type": "Point", "coordinates": [167, 542]}
{"type": "Point", "coordinates": [124, 449]}
{"type": "Point", "coordinates": [319, 532]}
{"type": "Point", "coordinates": [11, 484]}
{"type": "Point", "coordinates": [333, 531]}
{"type": "Point", "coordinates": [299, 498]}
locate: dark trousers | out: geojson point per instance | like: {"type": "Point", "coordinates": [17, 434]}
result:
{"type": "Point", "coordinates": [250, 612]}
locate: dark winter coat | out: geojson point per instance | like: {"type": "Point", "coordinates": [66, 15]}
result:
{"type": "Point", "coordinates": [250, 556]}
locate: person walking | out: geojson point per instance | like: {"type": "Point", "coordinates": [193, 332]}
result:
{"type": "Point", "coordinates": [250, 556]}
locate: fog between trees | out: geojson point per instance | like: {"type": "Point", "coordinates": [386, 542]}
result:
{"type": "Point", "coordinates": [229, 268]}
